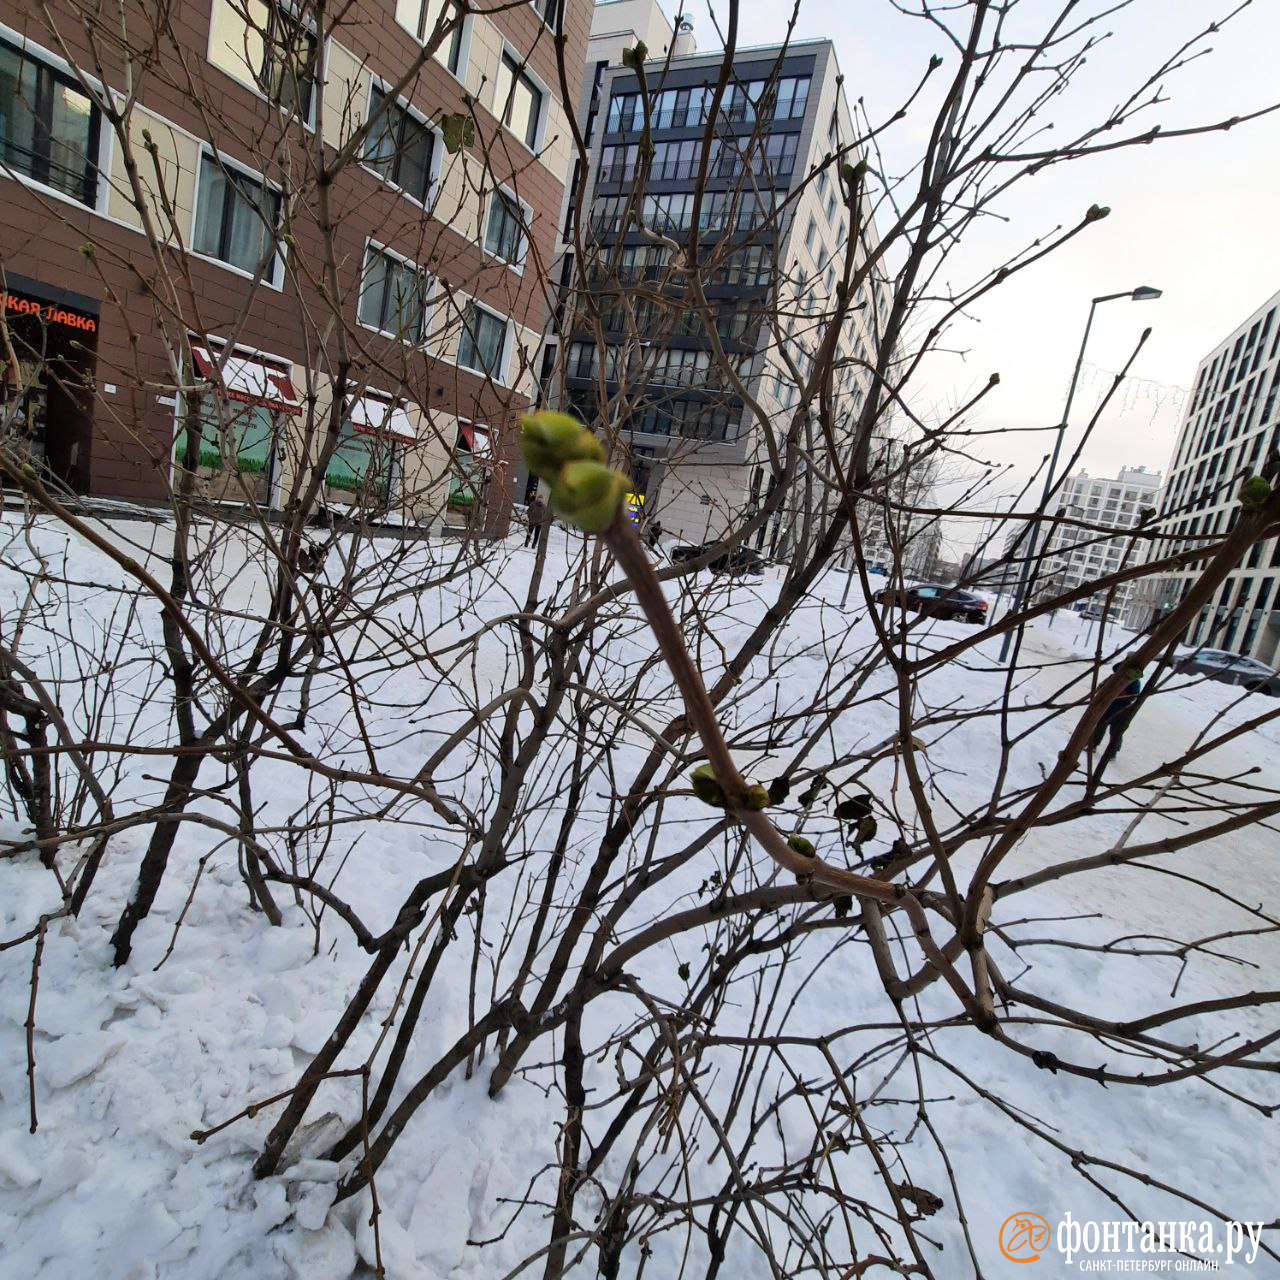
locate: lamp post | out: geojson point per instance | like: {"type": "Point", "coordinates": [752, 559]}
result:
{"type": "Point", "coordinates": [1143, 293]}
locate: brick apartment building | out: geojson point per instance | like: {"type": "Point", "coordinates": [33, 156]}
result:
{"type": "Point", "coordinates": [216, 219]}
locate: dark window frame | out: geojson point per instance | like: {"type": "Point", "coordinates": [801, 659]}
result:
{"type": "Point", "coordinates": [516, 215]}
{"type": "Point", "coordinates": [474, 308]}
{"type": "Point", "coordinates": [399, 118]}
{"type": "Point", "coordinates": [521, 76]}
{"type": "Point", "coordinates": [47, 77]}
{"type": "Point", "coordinates": [386, 308]}
{"type": "Point", "coordinates": [274, 74]}
{"type": "Point", "coordinates": [239, 179]}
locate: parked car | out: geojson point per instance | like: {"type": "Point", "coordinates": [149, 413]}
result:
{"type": "Point", "coordinates": [1231, 668]}
{"type": "Point", "coordinates": [936, 600]}
{"type": "Point", "coordinates": [740, 562]}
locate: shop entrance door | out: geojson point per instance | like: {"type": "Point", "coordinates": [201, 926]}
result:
{"type": "Point", "coordinates": [47, 371]}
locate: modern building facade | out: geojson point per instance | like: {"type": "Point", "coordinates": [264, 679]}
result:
{"type": "Point", "coordinates": [735, 224]}
{"type": "Point", "coordinates": [1230, 430]}
{"type": "Point", "coordinates": [281, 215]}
{"type": "Point", "coordinates": [1076, 556]}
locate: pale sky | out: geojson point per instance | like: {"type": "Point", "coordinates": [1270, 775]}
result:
{"type": "Point", "coordinates": [1198, 218]}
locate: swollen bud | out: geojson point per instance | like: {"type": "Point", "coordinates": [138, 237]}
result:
{"type": "Point", "coordinates": [548, 440]}
{"type": "Point", "coordinates": [588, 494]}
{"type": "Point", "coordinates": [801, 845]}
{"type": "Point", "coordinates": [706, 788]}
{"type": "Point", "coordinates": [1254, 493]}
{"type": "Point", "coordinates": [1096, 212]}
{"type": "Point", "coordinates": [756, 797]}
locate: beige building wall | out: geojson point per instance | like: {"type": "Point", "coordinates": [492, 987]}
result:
{"type": "Point", "coordinates": [167, 159]}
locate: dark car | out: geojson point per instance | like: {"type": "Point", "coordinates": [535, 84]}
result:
{"type": "Point", "coordinates": [740, 562]}
{"type": "Point", "coordinates": [936, 600]}
{"type": "Point", "coordinates": [1231, 668]}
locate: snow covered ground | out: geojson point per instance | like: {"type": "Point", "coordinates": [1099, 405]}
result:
{"type": "Point", "coordinates": [130, 1061]}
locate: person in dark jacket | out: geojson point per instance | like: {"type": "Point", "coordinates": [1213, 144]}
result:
{"type": "Point", "coordinates": [1115, 719]}
{"type": "Point", "coordinates": [536, 515]}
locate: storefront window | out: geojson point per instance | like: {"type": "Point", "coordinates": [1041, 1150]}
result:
{"type": "Point", "coordinates": [236, 439]}
{"type": "Point", "coordinates": [361, 464]}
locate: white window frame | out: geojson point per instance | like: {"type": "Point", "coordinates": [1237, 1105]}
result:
{"type": "Point", "coordinates": [437, 149]}
{"type": "Point", "coordinates": [526, 220]}
{"type": "Point", "coordinates": [544, 110]}
{"type": "Point", "coordinates": [106, 135]}
{"type": "Point", "coordinates": [501, 375]}
{"type": "Point", "coordinates": [464, 43]}
{"type": "Point", "coordinates": [276, 279]}
{"type": "Point", "coordinates": [322, 61]}
{"type": "Point", "coordinates": [420, 342]}
{"type": "Point", "coordinates": [548, 19]}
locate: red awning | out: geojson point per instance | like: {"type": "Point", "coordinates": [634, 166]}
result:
{"type": "Point", "coordinates": [373, 417]}
{"type": "Point", "coordinates": [476, 439]}
{"type": "Point", "coordinates": [249, 381]}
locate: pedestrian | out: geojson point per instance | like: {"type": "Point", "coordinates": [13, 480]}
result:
{"type": "Point", "coordinates": [1115, 719]}
{"type": "Point", "coordinates": [536, 516]}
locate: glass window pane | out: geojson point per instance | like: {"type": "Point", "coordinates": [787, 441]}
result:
{"type": "Point", "coordinates": [247, 240]}
{"type": "Point", "coordinates": [415, 157]}
{"type": "Point", "coordinates": [69, 140]}
{"type": "Point", "coordinates": [374, 289]}
{"type": "Point", "coordinates": [380, 146]}
{"type": "Point", "coordinates": [209, 208]}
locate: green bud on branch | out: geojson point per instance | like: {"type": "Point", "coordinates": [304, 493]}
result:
{"type": "Point", "coordinates": [1255, 493]}
{"type": "Point", "coordinates": [706, 788]}
{"type": "Point", "coordinates": [548, 440]}
{"type": "Point", "coordinates": [589, 494]}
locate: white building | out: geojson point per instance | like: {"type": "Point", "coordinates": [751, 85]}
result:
{"type": "Point", "coordinates": [1079, 555]}
{"type": "Point", "coordinates": [1231, 428]}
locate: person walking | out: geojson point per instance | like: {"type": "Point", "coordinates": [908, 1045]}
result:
{"type": "Point", "coordinates": [536, 516]}
{"type": "Point", "coordinates": [1115, 719]}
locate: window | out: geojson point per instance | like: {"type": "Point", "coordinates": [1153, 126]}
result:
{"type": "Point", "coordinates": [504, 235]}
{"type": "Point", "coordinates": [393, 296]}
{"type": "Point", "coordinates": [483, 345]}
{"type": "Point", "coordinates": [400, 146]}
{"type": "Point", "coordinates": [518, 102]}
{"type": "Point", "coordinates": [362, 462]}
{"type": "Point", "coordinates": [421, 17]}
{"type": "Point", "coordinates": [548, 11]}
{"type": "Point", "coordinates": [236, 219]}
{"type": "Point", "coordinates": [809, 234]}
{"type": "Point", "coordinates": [49, 129]}
{"type": "Point", "coordinates": [792, 97]}
{"type": "Point", "coordinates": [238, 439]}
{"type": "Point", "coordinates": [288, 71]}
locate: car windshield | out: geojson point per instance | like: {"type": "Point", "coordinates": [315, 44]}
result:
{"type": "Point", "coordinates": [1251, 664]}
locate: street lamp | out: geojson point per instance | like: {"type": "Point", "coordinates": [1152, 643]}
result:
{"type": "Point", "coordinates": [1143, 293]}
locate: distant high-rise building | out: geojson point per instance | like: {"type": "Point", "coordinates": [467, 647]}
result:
{"type": "Point", "coordinates": [1078, 555]}
{"type": "Point", "coordinates": [771, 219]}
{"type": "Point", "coordinates": [1230, 429]}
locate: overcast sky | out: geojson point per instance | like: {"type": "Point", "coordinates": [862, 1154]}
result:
{"type": "Point", "coordinates": [1197, 218]}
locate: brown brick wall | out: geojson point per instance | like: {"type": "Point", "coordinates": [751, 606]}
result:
{"type": "Point", "coordinates": [43, 238]}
